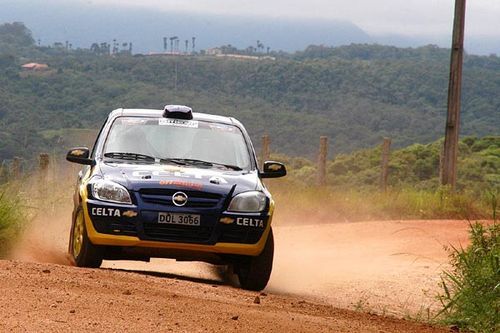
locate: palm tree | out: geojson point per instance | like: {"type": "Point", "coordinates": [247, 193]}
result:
{"type": "Point", "coordinates": [260, 46]}
{"type": "Point", "coordinates": [165, 43]}
{"type": "Point", "coordinates": [193, 39]}
{"type": "Point", "coordinates": [115, 46]}
{"type": "Point", "coordinates": [95, 48]}
{"type": "Point", "coordinates": [172, 44]}
{"type": "Point", "coordinates": [186, 42]}
{"type": "Point", "coordinates": [104, 48]}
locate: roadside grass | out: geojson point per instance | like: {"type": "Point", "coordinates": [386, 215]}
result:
{"type": "Point", "coordinates": [12, 218]}
{"type": "Point", "coordinates": [471, 288]}
{"type": "Point", "coordinates": [363, 205]}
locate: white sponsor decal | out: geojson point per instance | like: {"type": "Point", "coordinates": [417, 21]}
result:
{"type": "Point", "coordinates": [223, 128]}
{"type": "Point", "coordinates": [250, 222]}
{"type": "Point", "coordinates": [187, 173]}
{"type": "Point", "coordinates": [178, 122]}
{"type": "Point", "coordinates": [101, 211]}
{"type": "Point", "coordinates": [217, 180]}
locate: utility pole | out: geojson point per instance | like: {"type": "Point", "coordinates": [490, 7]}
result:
{"type": "Point", "coordinates": [454, 93]}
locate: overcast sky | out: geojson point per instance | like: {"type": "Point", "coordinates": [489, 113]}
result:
{"type": "Point", "coordinates": [408, 17]}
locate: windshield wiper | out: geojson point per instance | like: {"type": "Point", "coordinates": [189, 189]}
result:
{"type": "Point", "coordinates": [130, 156]}
{"type": "Point", "coordinates": [178, 161]}
{"type": "Point", "coordinates": [192, 161]}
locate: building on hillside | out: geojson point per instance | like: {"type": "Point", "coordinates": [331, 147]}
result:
{"type": "Point", "coordinates": [33, 66]}
{"type": "Point", "coordinates": [213, 51]}
{"type": "Point", "coordinates": [166, 54]}
{"type": "Point", "coordinates": [245, 57]}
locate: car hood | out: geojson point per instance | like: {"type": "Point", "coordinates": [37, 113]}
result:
{"type": "Point", "coordinates": [141, 176]}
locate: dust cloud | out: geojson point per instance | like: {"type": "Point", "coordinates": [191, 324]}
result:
{"type": "Point", "coordinates": [45, 239]}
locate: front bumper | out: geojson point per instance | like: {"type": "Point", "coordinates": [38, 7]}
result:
{"type": "Point", "coordinates": [128, 226]}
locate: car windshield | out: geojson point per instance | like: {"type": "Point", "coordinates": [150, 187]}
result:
{"type": "Point", "coordinates": [183, 142]}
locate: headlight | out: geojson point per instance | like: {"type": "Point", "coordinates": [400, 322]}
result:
{"type": "Point", "coordinates": [248, 202]}
{"type": "Point", "coordinates": [107, 190]}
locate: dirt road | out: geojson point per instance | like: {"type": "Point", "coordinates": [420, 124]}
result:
{"type": "Point", "coordinates": [48, 297]}
{"type": "Point", "coordinates": [390, 268]}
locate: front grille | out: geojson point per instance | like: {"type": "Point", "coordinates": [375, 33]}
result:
{"type": "Point", "coordinates": [177, 233]}
{"type": "Point", "coordinates": [196, 199]}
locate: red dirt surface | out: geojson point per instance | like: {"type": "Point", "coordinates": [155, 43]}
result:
{"type": "Point", "coordinates": [322, 273]}
{"type": "Point", "coordinates": [55, 298]}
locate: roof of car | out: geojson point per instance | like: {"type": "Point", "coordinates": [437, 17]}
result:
{"type": "Point", "coordinates": [159, 113]}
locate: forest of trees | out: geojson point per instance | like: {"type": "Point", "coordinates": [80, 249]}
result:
{"type": "Point", "coordinates": [354, 94]}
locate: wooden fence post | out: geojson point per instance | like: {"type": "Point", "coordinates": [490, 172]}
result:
{"type": "Point", "coordinates": [265, 152]}
{"type": "Point", "coordinates": [43, 168]}
{"type": "Point", "coordinates": [323, 151]}
{"type": "Point", "coordinates": [15, 171]}
{"type": "Point", "coordinates": [386, 150]}
{"type": "Point", "coordinates": [4, 173]}
{"type": "Point", "coordinates": [441, 163]}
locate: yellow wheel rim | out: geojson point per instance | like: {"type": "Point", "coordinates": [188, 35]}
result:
{"type": "Point", "coordinates": [78, 235]}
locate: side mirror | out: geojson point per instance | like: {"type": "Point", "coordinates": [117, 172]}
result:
{"type": "Point", "coordinates": [273, 169]}
{"type": "Point", "coordinates": [79, 155]}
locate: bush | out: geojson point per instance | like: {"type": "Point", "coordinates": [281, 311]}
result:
{"type": "Point", "coordinates": [11, 218]}
{"type": "Point", "coordinates": [471, 290]}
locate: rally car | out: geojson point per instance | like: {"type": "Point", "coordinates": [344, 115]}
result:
{"type": "Point", "coordinates": [174, 183]}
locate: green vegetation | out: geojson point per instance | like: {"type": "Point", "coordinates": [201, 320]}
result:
{"type": "Point", "coordinates": [11, 219]}
{"type": "Point", "coordinates": [415, 167]}
{"type": "Point", "coordinates": [471, 290]}
{"type": "Point", "coordinates": [328, 205]}
{"type": "Point", "coordinates": [352, 191]}
{"type": "Point", "coordinates": [354, 94]}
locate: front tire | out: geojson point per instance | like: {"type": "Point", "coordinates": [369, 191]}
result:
{"type": "Point", "coordinates": [82, 251]}
{"type": "Point", "coordinates": [254, 272]}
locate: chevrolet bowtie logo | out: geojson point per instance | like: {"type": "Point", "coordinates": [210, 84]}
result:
{"type": "Point", "coordinates": [77, 152]}
{"type": "Point", "coordinates": [129, 213]}
{"type": "Point", "coordinates": [179, 198]}
{"type": "Point", "coordinates": [226, 220]}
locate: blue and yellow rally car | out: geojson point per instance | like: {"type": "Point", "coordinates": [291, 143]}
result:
{"type": "Point", "coordinates": [174, 184]}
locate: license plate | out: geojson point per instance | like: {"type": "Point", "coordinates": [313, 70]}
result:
{"type": "Point", "coordinates": [177, 218]}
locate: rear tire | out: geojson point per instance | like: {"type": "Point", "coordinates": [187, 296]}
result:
{"type": "Point", "coordinates": [254, 272]}
{"type": "Point", "coordinates": [81, 250]}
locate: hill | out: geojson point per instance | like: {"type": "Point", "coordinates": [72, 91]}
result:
{"type": "Point", "coordinates": [354, 94]}
{"type": "Point", "coordinates": [83, 22]}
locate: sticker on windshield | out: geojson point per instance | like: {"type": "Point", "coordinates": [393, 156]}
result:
{"type": "Point", "coordinates": [178, 122]}
{"type": "Point", "coordinates": [222, 128]}
{"type": "Point", "coordinates": [133, 121]}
